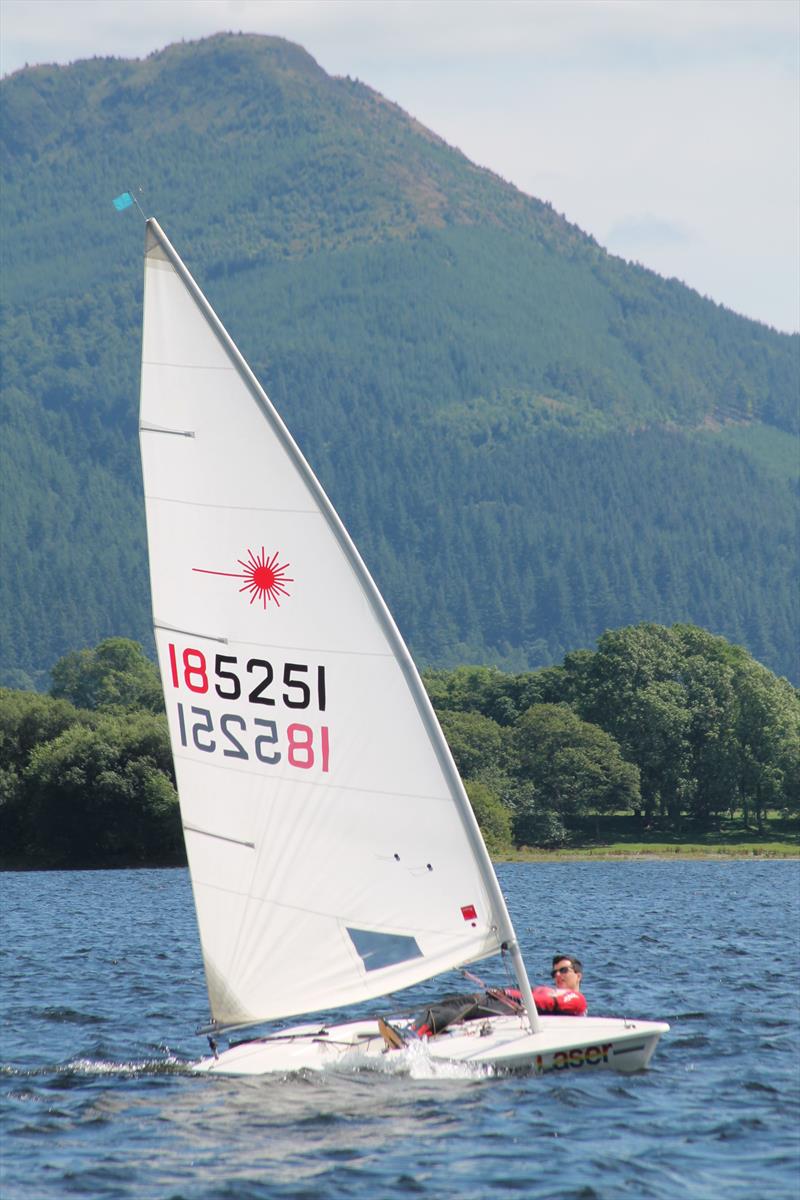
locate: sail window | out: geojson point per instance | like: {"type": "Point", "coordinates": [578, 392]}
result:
{"type": "Point", "coordinates": [378, 950]}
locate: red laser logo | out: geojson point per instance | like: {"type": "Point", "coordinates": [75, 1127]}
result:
{"type": "Point", "coordinates": [264, 577]}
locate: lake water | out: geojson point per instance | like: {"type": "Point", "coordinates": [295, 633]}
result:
{"type": "Point", "coordinates": [103, 988]}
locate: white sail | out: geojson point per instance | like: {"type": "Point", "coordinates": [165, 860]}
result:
{"type": "Point", "coordinates": [333, 853]}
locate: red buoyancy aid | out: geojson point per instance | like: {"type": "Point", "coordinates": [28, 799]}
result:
{"type": "Point", "coordinates": [559, 1002]}
{"type": "Point", "coordinates": [553, 1002]}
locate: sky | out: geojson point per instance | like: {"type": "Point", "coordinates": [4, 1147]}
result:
{"type": "Point", "coordinates": [668, 129]}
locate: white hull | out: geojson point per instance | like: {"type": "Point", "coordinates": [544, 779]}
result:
{"type": "Point", "coordinates": [504, 1043]}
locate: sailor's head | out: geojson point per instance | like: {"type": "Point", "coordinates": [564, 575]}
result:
{"type": "Point", "coordinates": [567, 972]}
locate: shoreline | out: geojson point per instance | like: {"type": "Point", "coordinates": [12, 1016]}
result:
{"type": "Point", "coordinates": [532, 856]}
{"type": "Point", "coordinates": [657, 854]}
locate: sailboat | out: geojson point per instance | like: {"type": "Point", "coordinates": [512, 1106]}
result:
{"type": "Point", "coordinates": [333, 852]}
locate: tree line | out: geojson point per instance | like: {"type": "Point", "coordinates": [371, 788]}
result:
{"type": "Point", "coordinates": [674, 725]}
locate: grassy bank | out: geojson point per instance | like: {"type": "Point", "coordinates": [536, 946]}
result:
{"type": "Point", "coordinates": [656, 850]}
{"type": "Point", "coordinates": [623, 837]}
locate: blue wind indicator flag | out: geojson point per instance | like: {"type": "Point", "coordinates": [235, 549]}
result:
{"type": "Point", "coordinates": [122, 202]}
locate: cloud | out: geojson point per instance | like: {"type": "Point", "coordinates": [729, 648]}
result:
{"type": "Point", "coordinates": [640, 232]}
{"type": "Point", "coordinates": [630, 34]}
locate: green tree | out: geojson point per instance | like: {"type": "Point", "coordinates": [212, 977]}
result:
{"type": "Point", "coordinates": [536, 824]}
{"type": "Point", "coordinates": [710, 729]}
{"type": "Point", "coordinates": [492, 816]}
{"type": "Point", "coordinates": [115, 674]}
{"type": "Point", "coordinates": [709, 682]}
{"type": "Point", "coordinates": [575, 767]}
{"type": "Point", "coordinates": [477, 742]}
{"type": "Point", "coordinates": [471, 689]}
{"type": "Point", "coordinates": [27, 720]}
{"type": "Point", "coordinates": [633, 690]}
{"type": "Point", "coordinates": [768, 735]}
{"type": "Point", "coordinates": [103, 795]}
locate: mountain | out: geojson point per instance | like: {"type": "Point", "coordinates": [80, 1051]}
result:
{"type": "Point", "coordinates": [530, 439]}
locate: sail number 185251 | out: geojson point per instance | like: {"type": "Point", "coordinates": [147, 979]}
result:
{"type": "Point", "coordinates": [301, 686]}
{"type": "Point", "coordinates": [252, 681]}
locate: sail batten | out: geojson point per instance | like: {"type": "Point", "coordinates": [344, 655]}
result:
{"type": "Point", "coordinates": [349, 863]}
{"type": "Point", "coordinates": [221, 837]}
{"type": "Point", "coordinates": [154, 499]}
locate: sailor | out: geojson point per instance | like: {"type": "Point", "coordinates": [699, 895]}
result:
{"type": "Point", "coordinates": [564, 998]}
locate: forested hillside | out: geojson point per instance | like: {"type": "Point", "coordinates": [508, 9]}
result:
{"type": "Point", "coordinates": [530, 440]}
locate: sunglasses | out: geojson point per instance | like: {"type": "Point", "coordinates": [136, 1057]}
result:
{"type": "Point", "coordinates": [561, 971]}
